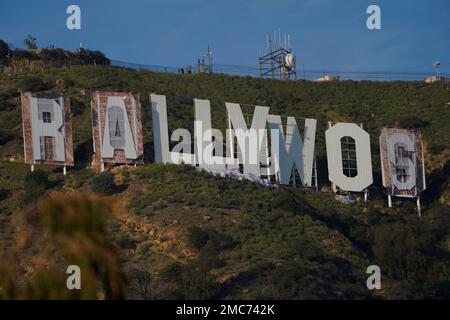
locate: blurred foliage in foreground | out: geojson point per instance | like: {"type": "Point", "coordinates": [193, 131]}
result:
{"type": "Point", "coordinates": [70, 230]}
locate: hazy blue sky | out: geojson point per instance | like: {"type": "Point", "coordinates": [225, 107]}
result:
{"type": "Point", "coordinates": [327, 34]}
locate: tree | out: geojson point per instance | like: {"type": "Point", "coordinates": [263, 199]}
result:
{"type": "Point", "coordinates": [140, 281]}
{"type": "Point", "coordinates": [197, 237]}
{"type": "Point", "coordinates": [31, 43]}
{"type": "Point", "coordinates": [4, 49]}
{"type": "Point", "coordinates": [203, 284]}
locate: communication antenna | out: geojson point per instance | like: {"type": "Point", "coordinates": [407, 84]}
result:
{"type": "Point", "coordinates": [210, 64]}
{"type": "Point", "coordinates": [274, 38]}
{"type": "Point", "coordinates": [202, 67]}
{"type": "Point", "coordinates": [280, 58]}
{"type": "Point", "coordinates": [279, 38]}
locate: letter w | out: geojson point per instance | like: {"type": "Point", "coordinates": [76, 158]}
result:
{"type": "Point", "coordinates": [290, 149]}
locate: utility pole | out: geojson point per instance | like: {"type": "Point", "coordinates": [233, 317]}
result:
{"type": "Point", "coordinates": [210, 68]}
{"type": "Point", "coordinates": [437, 67]}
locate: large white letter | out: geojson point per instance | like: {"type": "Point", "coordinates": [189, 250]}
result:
{"type": "Point", "coordinates": [203, 137]}
{"type": "Point", "coordinates": [117, 133]}
{"type": "Point", "coordinates": [289, 149]}
{"type": "Point", "coordinates": [160, 128]}
{"type": "Point", "coordinates": [47, 127]}
{"type": "Point", "coordinates": [402, 162]}
{"type": "Point", "coordinates": [350, 168]}
{"type": "Point", "coordinates": [250, 153]}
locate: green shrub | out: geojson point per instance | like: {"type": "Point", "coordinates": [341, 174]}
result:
{"type": "Point", "coordinates": [35, 83]}
{"type": "Point", "coordinates": [139, 204]}
{"type": "Point", "coordinates": [412, 122]}
{"type": "Point", "coordinates": [144, 249]}
{"type": "Point", "coordinates": [5, 100]}
{"type": "Point", "coordinates": [103, 184]}
{"type": "Point", "coordinates": [77, 107]}
{"type": "Point", "coordinates": [126, 242]}
{"type": "Point", "coordinates": [405, 251]}
{"type": "Point", "coordinates": [93, 57]}
{"type": "Point", "coordinates": [212, 239]}
{"type": "Point", "coordinates": [81, 176]}
{"type": "Point", "coordinates": [5, 137]}
{"type": "Point", "coordinates": [35, 184]}
{"type": "Point", "coordinates": [436, 148]}
{"type": "Point", "coordinates": [3, 193]}
{"type": "Point", "coordinates": [197, 237]}
{"type": "Point", "coordinates": [159, 204]}
{"type": "Point", "coordinates": [286, 200]}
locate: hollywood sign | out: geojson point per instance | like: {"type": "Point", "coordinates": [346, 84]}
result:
{"type": "Point", "coordinates": [267, 147]}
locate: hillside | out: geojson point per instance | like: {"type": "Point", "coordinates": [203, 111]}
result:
{"type": "Point", "coordinates": [190, 235]}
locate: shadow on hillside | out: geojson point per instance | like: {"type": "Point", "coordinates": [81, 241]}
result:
{"type": "Point", "coordinates": [149, 153]}
{"type": "Point", "coordinates": [304, 279]}
{"type": "Point", "coordinates": [82, 154]}
{"type": "Point", "coordinates": [119, 188]}
{"type": "Point", "coordinates": [343, 228]}
{"type": "Point", "coordinates": [436, 184]}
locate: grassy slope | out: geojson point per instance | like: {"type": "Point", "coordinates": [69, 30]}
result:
{"type": "Point", "coordinates": [305, 235]}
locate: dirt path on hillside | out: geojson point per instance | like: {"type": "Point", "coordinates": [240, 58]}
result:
{"type": "Point", "coordinates": [150, 229]}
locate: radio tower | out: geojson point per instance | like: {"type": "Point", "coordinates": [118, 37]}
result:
{"type": "Point", "coordinates": [278, 59]}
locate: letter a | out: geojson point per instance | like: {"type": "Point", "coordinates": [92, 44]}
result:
{"type": "Point", "coordinates": [374, 20]}
{"type": "Point", "coordinates": [74, 280]}
{"type": "Point", "coordinates": [374, 281]}
{"type": "Point", "coordinates": [74, 20]}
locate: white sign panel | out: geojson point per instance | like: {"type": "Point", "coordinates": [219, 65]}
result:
{"type": "Point", "coordinates": [349, 157]}
{"type": "Point", "coordinates": [402, 162]}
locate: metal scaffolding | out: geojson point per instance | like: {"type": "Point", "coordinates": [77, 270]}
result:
{"type": "Point", "coordinates": [279, 59]}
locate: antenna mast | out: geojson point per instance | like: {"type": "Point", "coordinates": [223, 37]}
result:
{"type": "Point", "coordinates": [280, 59]}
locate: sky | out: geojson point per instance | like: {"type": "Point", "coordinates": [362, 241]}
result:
{"type": "Point", "coordinates": [326, 34]}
